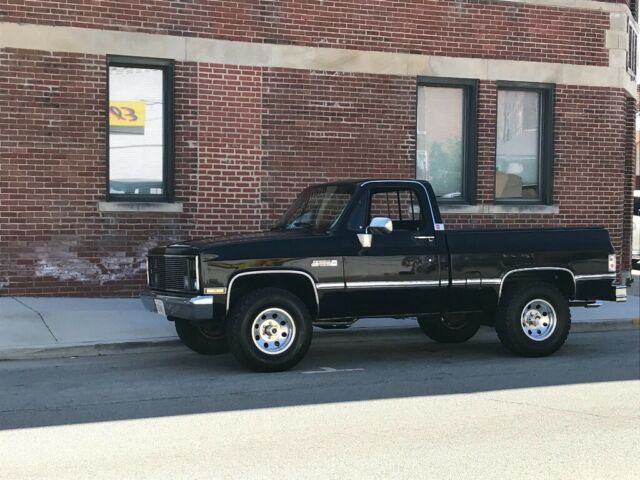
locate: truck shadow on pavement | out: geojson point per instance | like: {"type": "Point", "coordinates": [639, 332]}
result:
{"type": "Point", "coordinates": [340, 367]}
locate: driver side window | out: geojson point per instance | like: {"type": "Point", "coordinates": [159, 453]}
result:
{"type": "Point", "coordinates": [402, 206]}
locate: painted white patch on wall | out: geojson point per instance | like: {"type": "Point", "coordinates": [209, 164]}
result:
{"type": "Point", "coordinates": [59, 260]}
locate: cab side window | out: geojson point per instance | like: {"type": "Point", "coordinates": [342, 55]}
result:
{"type": "Point", "coordinates": [402, 206]}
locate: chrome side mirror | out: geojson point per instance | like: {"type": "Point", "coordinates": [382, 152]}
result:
{"type": "Point", "coordinates": [378, 225]}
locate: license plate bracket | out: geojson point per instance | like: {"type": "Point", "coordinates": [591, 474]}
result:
{"type": "Point", "coordinates": [160, 307]}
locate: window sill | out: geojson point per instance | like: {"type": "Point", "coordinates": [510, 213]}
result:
{"type": "Point", "coordinates": [501, 209]}
{"type": "Point", "coordinates": [144, 207]}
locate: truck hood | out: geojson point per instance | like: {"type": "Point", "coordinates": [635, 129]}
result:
{"type": "Point", "coordinates": [244, 242]}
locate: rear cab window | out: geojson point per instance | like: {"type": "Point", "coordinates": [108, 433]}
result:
{"type": "Point", "coordinates": [403, 205]}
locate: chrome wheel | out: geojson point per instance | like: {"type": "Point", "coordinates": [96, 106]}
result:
{"type": "Point", "coordinates": [538, 320]}
{"type": "Point", "coordinates": [273, 331]}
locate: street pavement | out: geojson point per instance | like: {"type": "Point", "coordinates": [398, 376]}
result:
{"type": "Point", "coordinates": [363, 404]}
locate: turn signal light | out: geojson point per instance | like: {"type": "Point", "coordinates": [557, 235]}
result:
{"type": "Point", "coordinates": [612, 263]}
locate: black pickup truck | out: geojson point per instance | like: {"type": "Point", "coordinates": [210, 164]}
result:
{"type": "Point", "coordinates": [369, 248]}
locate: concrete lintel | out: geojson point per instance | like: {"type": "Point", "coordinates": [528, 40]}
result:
{"type": "Point", "coordinates": [103, 42]}
{"type": "Point", "coordinates": [618, 21]}
{"type": "Point", "coordinates": [459, 67]}
{"type": "Point", "coordinates": [520, 209]}
{"type": "Point", "coordinates": [530, 72]}
{"type": "Point", "coordinates": [143, 207]}
{"type": "Point", "coordinates": [577, 4]}
{"type": "Point", "coordinates": [500, 209]}
{"type": "Point", "coordinates": [457, 209]}
{"type": "Point", "coordinates": [618, 59]}
{"type": "Point", "coordinates": [226, 52]}
{"type": "Point", "coordinates": [616, 39]}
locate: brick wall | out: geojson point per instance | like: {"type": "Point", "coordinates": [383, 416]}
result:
{"type": "Point", "coordinates": [230, 169]}
{"type": "Point", "coordinates": [53, 173]}
{"type": "Point", "coordinates": [462, 28]}
{"type": "Point", "coordinates": [247, 139]}
{"type": "Point", "coordinates": [629, 180]}
{"type": "Point", "coordinates": [319, 126]}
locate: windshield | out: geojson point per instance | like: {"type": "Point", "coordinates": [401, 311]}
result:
{"type": "Point", "coordinates": [316, 208]}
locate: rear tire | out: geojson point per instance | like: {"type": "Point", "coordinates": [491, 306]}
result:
{"type": "Point", "coordinates": [445, 330]}
{"type": "Point", "coordinates": [533, 320]}
{"type": "Point", "coordinates": [269, 330]}
{"type": "Point", "coordinates": [205, 340]}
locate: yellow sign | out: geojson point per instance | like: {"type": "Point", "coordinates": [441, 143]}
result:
{"type": "Point", "coordinates": [126, 116]}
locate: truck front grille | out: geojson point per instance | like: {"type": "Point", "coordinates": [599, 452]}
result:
{"type": "Point", "coordinates": [174, 273]}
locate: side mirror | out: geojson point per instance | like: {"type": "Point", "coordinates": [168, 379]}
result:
{"type": "Point", "coordinates": [365, 239]}
{"type": "Point", "coordinates": [378, 225]}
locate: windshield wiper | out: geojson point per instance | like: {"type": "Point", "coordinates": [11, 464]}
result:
{"type": "Point", "coordinates": [292, 226]}
{"type": "Point", "coordinates": [303, 224]}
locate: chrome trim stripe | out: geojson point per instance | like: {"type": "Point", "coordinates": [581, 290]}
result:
{"type": "Point", "coordinates": [504, 277]}
{"type": "Point", "coordinates": [410, 283]}
{"type": "Point", "coordinates": [415, 182]}
{"type": "Point", "coordinates": [599, 276]}
{"type": "Point", "coordinates": [329, 285]}
{"type": "Point", "coordinates": [476, 281]}
{"type": "Point", "coordinates": [407, 283]}
{"type": "Point", "coordinates": [260, 272]}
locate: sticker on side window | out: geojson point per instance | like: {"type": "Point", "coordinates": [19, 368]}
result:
{"type": "Point", "coordinates": [439, 226]}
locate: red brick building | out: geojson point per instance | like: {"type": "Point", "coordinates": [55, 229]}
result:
{"type": "Point", "coordinates": [129, 124]}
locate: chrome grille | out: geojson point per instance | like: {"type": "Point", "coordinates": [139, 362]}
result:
{"type": "Point", "coordinates": [176, 273]}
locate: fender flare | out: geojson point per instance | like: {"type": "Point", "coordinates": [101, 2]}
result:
{"type": "Point", "coordinates": [262, 272]}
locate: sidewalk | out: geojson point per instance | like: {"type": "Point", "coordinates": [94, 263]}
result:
{"type": "Point", "coordinates": [33, 327]}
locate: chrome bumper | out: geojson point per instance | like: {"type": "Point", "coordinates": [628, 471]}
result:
{"type": "Point", "coordinates": [186, 308]}
{"type": "Point", "coordinates": [621, 293]}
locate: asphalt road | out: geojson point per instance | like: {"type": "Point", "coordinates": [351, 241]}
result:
{"type": "Point", "coordinates": [396, 406]}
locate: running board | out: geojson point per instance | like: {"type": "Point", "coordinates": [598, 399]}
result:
{"type": "Point", "coordinates": [585, 303]}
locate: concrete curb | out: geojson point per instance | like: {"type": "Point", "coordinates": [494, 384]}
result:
{"type": "Point", "coordinates": [606, 325]}
{"type": "Point", "coordinates": [85, 349]}
{"type": "Point", "coordinates": [142, 345]}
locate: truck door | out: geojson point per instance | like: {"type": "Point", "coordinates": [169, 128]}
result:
{"type": "Point", "coordinates": [400, 273]}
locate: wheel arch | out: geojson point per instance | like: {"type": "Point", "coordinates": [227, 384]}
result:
{"type": "Point", "coordinates": [563, 278]}
{"type": "Point", "coordinates": [298, 282]}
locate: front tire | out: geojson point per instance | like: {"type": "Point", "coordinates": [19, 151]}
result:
{"type": "Point", "coordinates": [456, 329]}
{"type": "Point", "coordinates": [533, 320]}
{"type": "Point", "coordinates": [206, 339]}
{"type": "Point", "coordinates": [269, 330]}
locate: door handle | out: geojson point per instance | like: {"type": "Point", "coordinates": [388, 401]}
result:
{"type": "Point", "coordinates": [425, 237]}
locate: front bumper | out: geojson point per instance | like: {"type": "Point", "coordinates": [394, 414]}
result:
{"type": "Point", "coordinates": [621, 293]}
{"type": "Point", "coordinates": [198, 308]}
